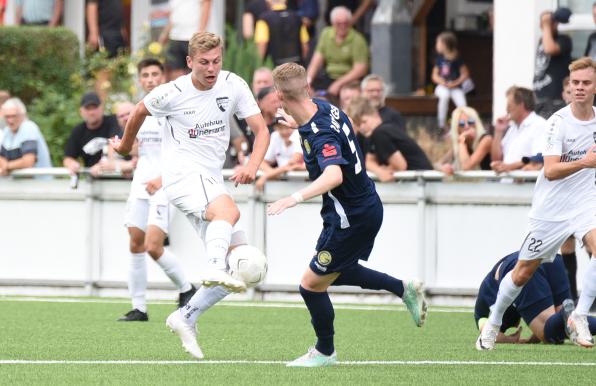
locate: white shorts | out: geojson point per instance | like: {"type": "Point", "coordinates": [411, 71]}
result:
{"type": "Point", "coordinates": [153, 211]}
{"type": "Point", "coordinates": [546, 237]}
{"type": "Point", "coordinates": [192, 194]}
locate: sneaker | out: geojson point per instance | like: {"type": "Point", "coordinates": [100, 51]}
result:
{"type": "Point", "coordinates": [186, 333]}
{"type": "Point", "coordinates": [313, 358]}
{"type": "Point", "coordinates": [579, 332]}
{"type": "Point", "coordinates": [184, 297]}
{"type": "Point", "coordinates": [215, 277]}
{"type": "Point", "coordinates": [488, 337]}
{"type": "Point", "coordinates": [568, 306]}
{"type": "Point", "coordinates": [414, 300]}
{"type": "Point", "coordinates": [134, 315]}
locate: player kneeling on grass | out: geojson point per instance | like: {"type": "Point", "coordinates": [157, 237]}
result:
{"type": "Point", "coordinates": [544, 303]}
{"type": "Point", "coordinates": [352, 212]}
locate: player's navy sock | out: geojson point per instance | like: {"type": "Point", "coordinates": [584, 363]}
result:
{"type": "Point", "coordinates": [370, 279]}
{"type": "Point", "coordinates": [592, 324]}
{"type": "Point", "coordinates": [570, 261]}
{"type": "Point", "coordinates": [554, 328]}
{"type": "Point", "coordinates": [322, 315]}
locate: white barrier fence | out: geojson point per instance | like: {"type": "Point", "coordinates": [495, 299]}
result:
{"type": "Point", "coordinates": [448, 233]}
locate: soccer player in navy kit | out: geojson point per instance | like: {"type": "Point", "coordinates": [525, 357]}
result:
{"type": "Point", "coordinates": [544, 303]}
{"type": "Point", "coordinates": [352, 212]}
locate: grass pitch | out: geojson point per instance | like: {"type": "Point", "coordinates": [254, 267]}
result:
{"type": "Point", "coordinates": [64, 342]}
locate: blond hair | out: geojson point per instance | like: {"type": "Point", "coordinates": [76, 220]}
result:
{"type": "Point", "coordinates": [582, 63]}
{"type": "Point", "coordinates": [203, 42]}
{"type": "Point", "coordinates": [454, 133]}
{"type": "Point", "coordinates": [290, 80]}
{"type": "Point", "coordinates": [358, 107]}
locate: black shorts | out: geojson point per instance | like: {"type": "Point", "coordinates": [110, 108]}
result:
{"type": "Point", "coordinates": [339, 249]}
{"type": "Point", "coordinates": [176, 55]}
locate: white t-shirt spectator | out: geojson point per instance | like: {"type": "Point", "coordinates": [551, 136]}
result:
{"type": "Point", "coordinates": [524, 140]}
{"type": "Point", "coordinates": [280, 153]}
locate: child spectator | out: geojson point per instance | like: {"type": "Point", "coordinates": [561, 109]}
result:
{"type": "Point", "coordinates": [470, 144]}
{"type": "Point", "coordinates": [449, 74]}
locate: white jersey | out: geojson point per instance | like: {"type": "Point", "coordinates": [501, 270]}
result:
{"type": "Point", "coordinates": [280, 153]}
{"type": "Point", "coordinates": [149, 164]}
{"type": "Point", "coordinates": [197, 123]}
{"type": "Point", "coordinates": [570, 138]}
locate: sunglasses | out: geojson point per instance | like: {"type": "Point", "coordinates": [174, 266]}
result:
{"type": "Point", "coordinates": [471, 122]}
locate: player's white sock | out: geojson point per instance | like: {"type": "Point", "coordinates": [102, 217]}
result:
{"type": "Point", "coordinates": [217, 242]}
{"type": "Point", "coordinates": [507, 294]}
{"type": "Point", "coordinates": [202, 300]}
{"type": "Point", "coordinates": [137, 280]}
{"type": "Point", "coordinates": [171, 267]}
{"type": "Point", "coordinates": [586, 299]}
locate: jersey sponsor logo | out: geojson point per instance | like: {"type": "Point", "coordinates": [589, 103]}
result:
{"type": "Point", "coordinates": [306, 146]}
{"type": "Point", "coordinates": [193, 133]}
{"type": "Point", "coordinates": [324, 258]}
{"type": "Point", "coordinates": [222, 103]}
{"type": "Point", "coordinates": [329, 150]}
{"type": "Point", "coordinates": [594, 136]}
{"type": "Point", "coordinates": [189, 112]}
{"type": "Point", "coordinates": [205, 128]}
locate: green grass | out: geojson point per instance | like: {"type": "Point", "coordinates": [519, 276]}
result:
{"type": "Point", "coordinates": [88, 331]}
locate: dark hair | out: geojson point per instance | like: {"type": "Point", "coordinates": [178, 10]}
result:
{"type": "Point", "coordinates": [448, 38]}
{"type": "Point", "coordinates": [150, 62]}
{"type": "Point", "coordinates": [524, 96]}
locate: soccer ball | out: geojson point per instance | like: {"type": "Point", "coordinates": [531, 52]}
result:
{"type": "Point", "coordinates": [247, 264]}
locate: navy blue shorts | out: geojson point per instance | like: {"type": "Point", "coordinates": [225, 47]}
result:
{"type": "Point", "coordinates": [339, 249]}
{"type": "Point", "coordinates": [548, 287]}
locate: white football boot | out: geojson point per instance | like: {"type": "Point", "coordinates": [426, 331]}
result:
{"type": "Point", "coordinates": [314, 358]}
{"type": "Point", "coordinates": [488, 337]}
{"type": "Point", "coordinates": [186, 333]}
{"type": "Point", "coordinates": [215, 277]}
{"type": "Point", "coordinates": [579, 331]}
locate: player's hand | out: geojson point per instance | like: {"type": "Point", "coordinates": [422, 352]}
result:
{"type": "Point", "coordinates": [289, 120]}
{"type": "Point", "coordinates": [244, 174]}
{"type": "Point", "coordinates": [153, 185]}
{"type": "Point", "coordinates": [280, 205]}
{"type": "Point", "coordinates": [117, 144]}
{"type": "Point", "coordinates": [589, 159]}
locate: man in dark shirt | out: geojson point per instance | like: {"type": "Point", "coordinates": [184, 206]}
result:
{"type": "Point", "coordinates": [389, 149]}
{"type": "Point", "coordinates": [552, 58]}
{"type": "Point", "coordinates": [89, 139]}
{"type": "Point", "coordinates": [104, 24]}
{"type": "Point", "coordinates": [373, 88]}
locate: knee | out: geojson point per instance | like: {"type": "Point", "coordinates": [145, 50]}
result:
{"type": "Point", "coordinates": [521, 276]}
{"type": "Point", "coordinates": [137, 245]}
{"type": "Point", "coordinates": [233, 215]}
{"type": "Point", "coordinates": [154, 248]}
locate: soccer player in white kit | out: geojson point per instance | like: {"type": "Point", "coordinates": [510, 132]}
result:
{"type": "Point", "coordinates": [196, 109]}
{"type": "Point", "coordinates": [564, 204]}
{"type": "Point", "coordinates": [148, 210]}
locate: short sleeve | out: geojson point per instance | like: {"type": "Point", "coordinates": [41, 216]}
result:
{"type": "Point", "coordinates": [359, 49]}
{"type": "Point", "coordinates": [565, 44]}
{"type": "Point", "coordinates": [246, 105]}
{"type": "Point", "coordinates": [295, 138]}
{"type": "Point", "coordinates": [382, 145]}
{"type": "Point", "coordinates": [29, 147]}
{"type": "Point", "coordinates": [261, 32]}
{"type": "Point", "coordinates": [327, 149]}
{"type": "Point", "coordinates": [158, 101]}
{"type": "Point", "coordinates": [553, 136]}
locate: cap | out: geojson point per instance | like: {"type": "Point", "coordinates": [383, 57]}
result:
{"type": "Point", "coordinates": [562, 15]}
{"type": "Point", "coordinates": [90, 98]}
{"type": "Point", "coordinates": [264, 92]}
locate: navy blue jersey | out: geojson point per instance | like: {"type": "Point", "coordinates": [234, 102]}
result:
{"type": "Point", "coordinates": [548, 286]}
{"type": "Point", "coordinates": [328, 139]}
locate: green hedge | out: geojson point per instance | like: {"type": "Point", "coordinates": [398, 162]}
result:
{"type": "Point", "coordinates": [34, 58]}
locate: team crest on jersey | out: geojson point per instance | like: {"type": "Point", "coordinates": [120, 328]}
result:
{"type": "Point", "coordinates": [222, 103]}
{"type": "Point", "coordinates": [307, 146]}
{"type": "Point", "coordinates": [324, 258]}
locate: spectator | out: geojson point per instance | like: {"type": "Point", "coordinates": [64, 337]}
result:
{"type": "Point", "coordinates": [552, 58]}
{"type": "Point", "coordinates": [268, 102]}
{"type": "Point", "coordinates": [123, 111]}
{"type": "Point", "coordinates": [470, 143]}
{"type": "Point", "coordinates": [284, 153]}
{"type": "Point", "coordinates": [359, 8]}
{"type": "Point", "coordinates": [104, 25]}
{"type": "Point", "coordinates": [519, 138]}
{"type": "Point", "coordinates": [261, 78]}
{"type": "Point", "coordinates": [39, 12]}
{"type": "Point", "coordinates": [23, 145]}
{"type": "Point", "coordinates": [591, 46]}
{"type": "Point", "coordinates": [4, 96]}
{"type": "Point", "coordinates": [89, 139]}
{"type": "Point", "coordinates": [566, 95]}
{"type": "Point", "coordinates": [373, 88]}
{"type": "Point", "coordinates": [348, 92]}
{"type": "Point", "coordinates": [252, 13]}
{"type": "Point", "coordinates": [449, 74]}
{"type": "Point", "coordinates": [342, 50]}
{"type": "Point", "coordinates": [186, 17]}
{"type": "Point", "coordinates": [280, 34]}
{"type": "Point", "coordinates": [389, 149]}
{"type": "Point", "coordinates": [308, 10]}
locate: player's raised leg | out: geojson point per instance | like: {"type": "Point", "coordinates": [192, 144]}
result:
{"type": "Point", "coordinates": [313, 289]}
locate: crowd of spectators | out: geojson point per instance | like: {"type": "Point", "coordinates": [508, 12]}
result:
{"type": "Point", "coordinates": [337, 59]}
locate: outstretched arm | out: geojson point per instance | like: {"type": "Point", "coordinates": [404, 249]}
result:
{"type": "Point", "coordinates": [332, 177]}
{"type": "Point", "coordinates": [133, 125]}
